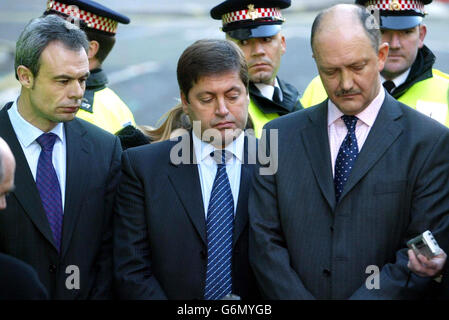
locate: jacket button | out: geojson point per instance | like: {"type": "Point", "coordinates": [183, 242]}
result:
{"type": "Point", "coordinates": [326, 272]}
{"type": "Point", "coordinates": [203, 254]}
{"type": "Point", "coordinates": [332, 229]}
{"type": "Point", "coordinates": [52, 268]}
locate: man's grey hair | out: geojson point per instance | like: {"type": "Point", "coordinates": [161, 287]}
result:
{"type": "Point", "coordinates": [39, 33]}
{"type": "Point", "coordinates": [367, 20]}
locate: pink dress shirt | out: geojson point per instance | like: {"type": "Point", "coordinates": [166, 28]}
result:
{"type": "Point", "coordinates": [337, 129]}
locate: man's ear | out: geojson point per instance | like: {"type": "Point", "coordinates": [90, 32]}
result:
{"type": "Point", "coordinates": [184, 102]}
{"type": "Point", "coordinates": [94, 46]}
{"type": "Point", "coordinates": [382, 55]}
{"type": "Point", "coordinates": [422, 34]}
{"type": "Point", "coordinates": [26, 77]}
{"type": "Point", "coordinates": [283, 44]}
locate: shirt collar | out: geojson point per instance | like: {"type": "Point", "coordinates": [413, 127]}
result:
{"type": "Point", "coordinates": [25, 131]}
{"type": "Point", "coordinates": [203, 149]}
{"type": "Point", "coordinates": [268, 90]}
{"type": "Point", "coordinates": [367, 116]}
{"type": "Point", "coordinates": [399, 79]}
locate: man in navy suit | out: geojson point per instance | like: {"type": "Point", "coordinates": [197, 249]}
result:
{"type": "Point", "coordinates": [181, 220]}
{"type": "Point", "coordinates": [361, 174]}
{"type": "Point", "coordinates": [18, 281]}
{"type": "Point", "coordinates": [59, 216]}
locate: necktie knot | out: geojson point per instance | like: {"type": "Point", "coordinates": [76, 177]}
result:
{"type": "Point", "coordinates": [47, 141]}
{"type": "Point", "coordinates": [389, 85]}
{"type": "Point", "coordinates": [221, 157]}
{"type": "Point", "coordinates": [350, 122]}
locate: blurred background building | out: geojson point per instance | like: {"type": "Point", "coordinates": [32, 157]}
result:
{"type": "Point", "coordinates": [142, 66]}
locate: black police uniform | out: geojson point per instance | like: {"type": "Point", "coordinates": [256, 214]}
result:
{"type": "Point", "coordinates": [243, 19]}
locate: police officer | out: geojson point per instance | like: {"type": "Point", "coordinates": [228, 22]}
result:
{"type": "Point", "coordinates": [101, 106]}
{"type": "Point", "coordinates": [255, 26]}
{"type": "Point", "coordinates": [408, 74]}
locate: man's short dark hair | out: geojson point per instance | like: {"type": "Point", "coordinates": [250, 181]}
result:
{"type": "Point", "coordinates": [210, 57]}
{"type": "Point", "coordinates": [365, 18]}
{"type": "Point", "coordinates": [39, 33]}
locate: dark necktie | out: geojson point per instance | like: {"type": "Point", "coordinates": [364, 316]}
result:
{"type": "Point", "coordinates": [277, 95]}
{"type": "Point", "coordinates": [389, 86]}
{"type": "Point", "coordinates": [48, 185]}
{"type": "Point", "coordinates": [219, 227]}
{"type": "Point", "coordinates": [346, 155]}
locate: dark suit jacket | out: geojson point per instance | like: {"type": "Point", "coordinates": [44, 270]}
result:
{"type": "Point", "coordinates": [93, 168]}
{"type": "Point", "coordinates": [304, 245]}
{"type": "Point", "coordinates": [18, 281]}
{"type": "Point", "coordinates": [160, 246]}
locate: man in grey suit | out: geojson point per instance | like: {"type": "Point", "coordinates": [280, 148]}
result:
{"type": "Point", "coordinates": [58, 218]}
{"type": "Point", "coordinates": [360, 175]}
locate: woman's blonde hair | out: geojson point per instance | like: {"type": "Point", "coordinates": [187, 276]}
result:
{"type": "Point", "coordinates": [175, 118]}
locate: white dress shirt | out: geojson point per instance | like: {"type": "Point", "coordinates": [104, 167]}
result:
{"type": "Point", "coordinates": [27, 134]}
{"type": "Point", "coordinates": [267, 90]}
{"type": "Point", "coordinates": [207, 167]}
{"type": "Point", "coordinates": [337, 129]}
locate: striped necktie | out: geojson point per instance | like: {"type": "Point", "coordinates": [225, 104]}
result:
{"type": "Point", "coordinates": [219, 228]}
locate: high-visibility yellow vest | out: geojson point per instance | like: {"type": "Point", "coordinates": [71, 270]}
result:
{"type": "Point", "coordinates": [429, 96]}
{"type": "Point", "coordinates": [109, 112]}
{"type": "Point", "coordinates": [259, 118]}
{"type": "Point", "coordinates": [314, 93]}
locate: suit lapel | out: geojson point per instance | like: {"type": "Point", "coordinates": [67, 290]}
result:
{"type": "Point", "coordinates": [25, 186]}
{"type": "Point", "coordinates": [382, 135]}
{"type": "Point", "coordinates": [186, 182]}
{"type": "Point", "coordinates": [316, 142]}
{"type": "Point", "coordinates": [241, 215]}
{"type": "Point", "coordinates": [77, 178]}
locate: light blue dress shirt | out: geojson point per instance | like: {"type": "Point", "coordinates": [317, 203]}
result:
{"type": "Point", "coordinates": [27, 134]}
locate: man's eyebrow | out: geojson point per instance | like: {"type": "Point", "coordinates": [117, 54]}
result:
{"type": "Point", "coordinates": [234, 88]}
{"type": "Point", "coordinates": [66, 76]}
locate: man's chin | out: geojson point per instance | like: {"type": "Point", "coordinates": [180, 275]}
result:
{"type": "Point", "coordinates": [393, 70]}
{"type": "Point", "coordinates": [261, 77]}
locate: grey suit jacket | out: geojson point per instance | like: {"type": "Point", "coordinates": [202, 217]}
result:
{"type": "Point", "coordinates": [304, 245]}
{"type": "Point", "coordinates": [160, 245]}
{"type": "Point", "coordinates": [93, 168]}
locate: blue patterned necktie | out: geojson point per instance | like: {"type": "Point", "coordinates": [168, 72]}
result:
{"type": "Point", "coordinates": [219, 227]}
{"type": "Point", "coordinates": [346, 155]}
{"type": "Point", "coordinates": [48, 185]}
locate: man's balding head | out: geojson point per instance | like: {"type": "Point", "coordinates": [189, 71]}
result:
{"type": "Point", "coordinates": [7, 169]}
{"type": "Point", "coordinates": [342, 18]}
{"type": "Point", "coordinates": [348, 56]}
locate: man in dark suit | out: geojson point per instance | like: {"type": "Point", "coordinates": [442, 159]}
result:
{"type": "Point", "coordinates": [181, 221]}
{"type": "Point", "coordinates": [361, 174]}
{"type": "Point", "coordinates": [59, 217]}
{"type": "Point", "coordinates": [18, 281]}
